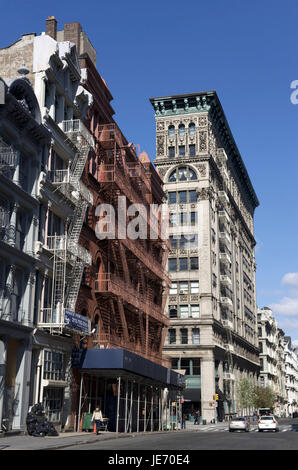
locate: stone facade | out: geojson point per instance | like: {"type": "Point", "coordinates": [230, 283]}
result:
{"type": "Point", "coordinates": [212, 302]}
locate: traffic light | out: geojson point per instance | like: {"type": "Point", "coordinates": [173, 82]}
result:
{"type": "Point", "coordinates": [216, 396]}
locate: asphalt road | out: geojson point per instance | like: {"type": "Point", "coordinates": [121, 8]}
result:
{"type": "Point", "coordinates": [217, 439]}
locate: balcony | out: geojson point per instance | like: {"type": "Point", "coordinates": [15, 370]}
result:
{"type": "Point", "coordinates": [61, 243]}
{"type": "Point", "coordinates": [228, 324]}
{"type": "Point", "coordinates": [8, 158]}
{"type": "Point", "coordinates": [223, 197]}
{"type": "Point", "coordinates": [226, 280]}
{"type": "Point", "coordinates": [226, 301]}
{"type": "Point", "coordinates": [109, 134]}
{"type": "Point", "coordinates": [108, 284]}
{"type": "Point", "coordinates": [225, 258]}
{"type": "Point", "coordinates": [225, 238]}
{"type": "Point", "coordinates": [78, 133]}
{"type": "Point", "coordinates": [221, 155]}
{"type": "Point", "coordinates": [223, 216]}
{"type": "Point", "coordinates": [228, 376]}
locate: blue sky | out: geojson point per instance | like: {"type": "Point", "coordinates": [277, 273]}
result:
{"type": "Point", "coordinates": [248, 53]}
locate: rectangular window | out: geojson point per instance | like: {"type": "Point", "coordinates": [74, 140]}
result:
{"type": "Point", "coordinates": [171, 152]}
{"type": "Point", "coordinates": [192, 150]}
{"type": "Point", "coordinates": [53, 365]}
{"type": "Point", "coordinates": [184, 336]}
{"type": "Point", "coordinates": [183, 311]}
{"type": "Point", "coordinates": [181, 150]}
{"type": "Point", "coordinates": [194, 263]}
{"type": "Point", "coordinates": [195, 336]}
{"type": "Point", "coordinates": [192, 196]}
{"type": "Point", "coordinates": [185, 364]}
{"type": "Point", "coordinates": [172, 336]}
{"type": "Point", "coordinates": [182, 196]}
{"type": "Point", "coordinates": [183, 264]}
{"type": "Point", "coordinates": [173, 242]}
{"type": "Point", "coordinates": [194, 287]}
{"type": "Point", "coordinates": [173, 312]}
{"type": "Point", "coordinates": [195, 311]}
{"type": "Point", "coordinates": [174, 364]}
{"type": "Point", "coordinates": [172, 263]}
{"type": "Point", "coordinates": [183, 218]}
{"type": "Point", "coordinates": [183, 288]}
{"type": "Point", "coordinates": [193, 218]}
{"type": "Point", "coordinates": [53, 402]}
{"type": "Point", "coordinates": [172, 197]}
{"type": "Point", "coordinates": [173, 219]}
{"type": "Point", "coordinates": [173, 289]}
{"type": "Point", "coordinates": [196, 367]}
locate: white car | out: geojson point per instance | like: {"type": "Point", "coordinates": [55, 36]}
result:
{"type": "Point", "coordinates": [268, 423]}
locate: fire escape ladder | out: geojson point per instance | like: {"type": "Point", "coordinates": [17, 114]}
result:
{"type": "Point", "coordinates": [124, 263]}
{"type": "Point", "coordinates": [123, 320]}
{"type": "Point", "coordinates": [58, 289]}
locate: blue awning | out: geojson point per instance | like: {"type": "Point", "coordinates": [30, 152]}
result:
{"type": "Point", "coordinates": [95, 360]}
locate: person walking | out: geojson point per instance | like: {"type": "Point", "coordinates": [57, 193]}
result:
{"type": "Point", "coordinates": [97, 418]}
{"type": "Point", "coordinates": [183, 423]}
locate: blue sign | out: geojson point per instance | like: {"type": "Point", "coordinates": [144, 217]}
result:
{"type": "Point", "coordinates": [77, 322]}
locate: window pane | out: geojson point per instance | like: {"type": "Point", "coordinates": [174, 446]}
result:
{"type": "Point", "coordinates": [172, 177]}
{"type": "Point", "coordinates": [194, 263]}
{"type": "Point", "coordinates": [172, 336]}
{"type": "Point", "coordinates": [195, 311]}
{"type": "Point", "coordinates": [181, 150]}
{"type": "Point", "coordinates": [182, 196]}
{"type": "Point", "coordinates": [191, 129]}
{"type": "Point", "coordinates": [192, 152]}
{"type": "Point", "coordinates": [194, 287]}
{"type": "Point", "coordinates": [193, 196]}
{"type": "Point", "coordinates": [172, 264]}
{"type": "Point", "coordinates": [173, 289]}
{"type": "Point", "coordinates": [173, 242]}
{"type": "Point", "coordinates": [171, 152]}
{"type": "Point", "coordinates": [183, 218]}
{"type": "Point", "coordinates": [196, 367]}
{"type": "Point", "coordinates": [183, 311]}
{"type": "Point", "coordinates": [181, 130]}
{"type": "Point", "coordinates": [196, 336]}
{"type": "Point", "coordinates": [185, 365]}
{"type": "Point", "coordinates": [184, 336]}
{"type": "Point", "coordinates": [173, 312]}
{"type": "Point", "coordinates": [182, 173]}
{"type": "Point", "coordinates": [171, 131]}
{"type": "Point", "coordinates": [183, 264]}
{"type": "Point", "coordinates": [172, 197]}
{"type": "Point", "coordinates": [183, 287]}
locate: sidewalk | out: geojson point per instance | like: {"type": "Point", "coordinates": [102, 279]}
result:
{"type": "Point", "coordinates": [68, 439]}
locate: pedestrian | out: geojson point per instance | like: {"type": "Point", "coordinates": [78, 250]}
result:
{"type": "Point", "coordinates": [97, 418]}
{"type": "Point", "coordinates": [183, 424]}
{"type": "Point", "coordinates": [196, 416]}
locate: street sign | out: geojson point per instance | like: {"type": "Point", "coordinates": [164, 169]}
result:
{"type": "Point", "coordinates": [77, 322]}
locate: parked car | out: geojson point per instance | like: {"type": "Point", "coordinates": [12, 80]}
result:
{"type": "Point", "coordinates": [268, 423]}
{"type": "Point", "coordinates": [239, 424]}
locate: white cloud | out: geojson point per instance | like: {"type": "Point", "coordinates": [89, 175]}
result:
{"type": "Point", "coordinates": [290, 279]}
{"type": "Point", "coordinates": [287, 306]}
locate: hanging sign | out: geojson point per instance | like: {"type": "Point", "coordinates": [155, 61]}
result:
{"type": "Point", "coordinates": [77, 322]}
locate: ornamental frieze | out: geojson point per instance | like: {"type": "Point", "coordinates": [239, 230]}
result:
{"type": "Point", "coordinates": [160, 145]}
{"type": "Point", "coordinates": [203, 141]}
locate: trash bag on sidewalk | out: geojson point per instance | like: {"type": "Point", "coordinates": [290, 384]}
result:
{"type": "Point", "coordinates": [38, 424]}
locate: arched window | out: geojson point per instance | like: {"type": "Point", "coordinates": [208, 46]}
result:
{"type": "Point", "coordinates": [182, 173]}
{"type": "Point", "coordinates": [171, 131]}
{"type": "Point", "coordinates": [181, 130]}
{"type": "Point", "coordinates": [191, 129]}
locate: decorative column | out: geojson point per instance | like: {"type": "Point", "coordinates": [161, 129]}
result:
{"type": "Point", "coordinates": [207, 387]}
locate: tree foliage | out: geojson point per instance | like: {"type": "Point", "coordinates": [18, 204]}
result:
{"type": "Point", "coordinates": [263, 397]}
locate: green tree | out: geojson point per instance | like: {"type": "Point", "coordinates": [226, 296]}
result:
{"type": "Point", "coordinates": [263, 397]}
{"type": "Point", "coordinates": [245, 394]}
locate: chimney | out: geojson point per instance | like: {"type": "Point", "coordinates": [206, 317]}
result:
{"type": "Point", "coordinates": [51, 27]}
{"type": "Point", "coordinates": [72, 33]}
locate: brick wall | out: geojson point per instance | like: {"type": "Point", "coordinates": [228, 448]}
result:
{"type": "Point", "coordinates": [11, 57]}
